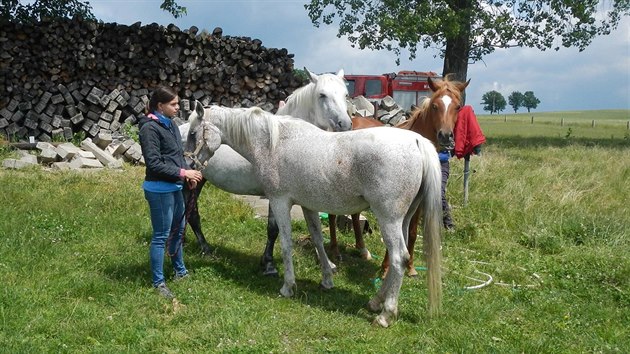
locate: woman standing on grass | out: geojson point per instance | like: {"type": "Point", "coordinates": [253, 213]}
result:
{"type": "Point", "coordinates": [166, 172]}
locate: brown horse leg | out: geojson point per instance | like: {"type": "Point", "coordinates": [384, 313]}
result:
{"type": "Point", "coordinates": [358, 237]}
{"type": "Point", "coordinates": [194, 220]}
{"type": "Point", "coordinates": [334, 247]}
{"type": "Point", "coordinates": [411, 241]}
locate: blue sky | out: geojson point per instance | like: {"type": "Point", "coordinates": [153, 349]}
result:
{"type": "Point", "coordinates": [596, 78]}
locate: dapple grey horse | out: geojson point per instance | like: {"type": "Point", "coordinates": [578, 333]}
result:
{"type": "Point", "coordinates": [391, 171]}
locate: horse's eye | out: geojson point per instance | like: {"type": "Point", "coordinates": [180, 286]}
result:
{"type": "Point", "coordinates": [434, 106]}
{"type": "Point", "coordinates": [322, 95]}
{"type": "Point", "coordinates": [458, 107]}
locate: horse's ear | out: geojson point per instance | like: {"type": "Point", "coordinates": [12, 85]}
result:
{"type": "Point", "coordinates": [311, 76]}
{"type": "Point", "coordinates": [197, 115]}
{"type": "Point", "coordinates": [462, 85]}
{"type": "Point", "coordinates": [340, 73]}
{"type": "Point", "coordinates": [432, 85]}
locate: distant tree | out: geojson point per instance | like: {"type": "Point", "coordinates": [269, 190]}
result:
{"type": "Point", "coordinates": [22, 11]}
{"type": "Point", "coordinates": [530, 101]}
{"type": "Point", "coordinates": [515, 99]}
{"type": "Point", "coordinates": [493, 101]}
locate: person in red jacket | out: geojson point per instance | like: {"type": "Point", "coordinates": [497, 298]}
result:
{"type": "Point", "coordinates": [468, 140]}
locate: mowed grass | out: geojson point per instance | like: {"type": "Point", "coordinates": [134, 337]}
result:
{"type": "Point", "coordinates": [547, 218]}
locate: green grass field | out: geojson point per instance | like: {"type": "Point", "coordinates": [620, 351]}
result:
{"type": "Point", "coordinates": [547, 218]}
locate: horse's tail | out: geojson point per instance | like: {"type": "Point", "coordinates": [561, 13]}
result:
{"type": "Point", "coordinates": [431, 204]}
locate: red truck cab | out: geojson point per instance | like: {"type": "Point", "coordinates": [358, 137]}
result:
{"type": "Point", "coordinates": [407, 88]}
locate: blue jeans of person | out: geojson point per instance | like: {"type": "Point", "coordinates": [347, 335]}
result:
{"type": "Point", "coordinates": [167, 211]}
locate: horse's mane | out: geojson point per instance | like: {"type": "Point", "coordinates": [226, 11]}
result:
{"type": "Point", "coordinates": [419, 112]}
{"type": "Point", "coordinates": [243, 124]}
{"type": "Point", "coordinates": [302, 98]}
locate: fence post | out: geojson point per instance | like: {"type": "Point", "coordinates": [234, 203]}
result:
{"type": "Point", "coordinates": [505, 120]}
{"type": "Point", "coordinates": [593, 124]}
{"type": "Point", "coordinates": [628, 125]}
{"type": "Point", "coordinates": [532, 119]}
{"type": "Point", "coordinates": [562, 122]}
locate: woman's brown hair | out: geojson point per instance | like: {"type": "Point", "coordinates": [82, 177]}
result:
{"type": "Point", "coordinates": [163, 94]}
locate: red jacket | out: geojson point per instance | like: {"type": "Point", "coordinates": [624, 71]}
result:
{"type": "Point", "coordinates": [467, 133]}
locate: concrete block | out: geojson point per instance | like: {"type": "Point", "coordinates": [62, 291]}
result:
{"type": "Point", "coordinates": [82, 162]}
{"type": "Point", "coordinates": [86, 154]}
{"type": "Point", "coordinates": [362, 103]}
{"type": "Point", "coordinates": [15, 164]}
{"type": "Point", "coordinates": [102, 140]}
{"type": "Point", "coordinates": [66, 151]}
{"type": "Point", "coordinates": [60, 166]}
{"type": "Point", "coordinates": [29, 159]}
{"type": "Point", "coordinates": [101, 155]}
{"type": "Point", "coordinates": [47, 156]}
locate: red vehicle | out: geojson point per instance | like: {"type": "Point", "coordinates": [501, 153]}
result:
{"type": "Point", "coordinates": [407, 88]}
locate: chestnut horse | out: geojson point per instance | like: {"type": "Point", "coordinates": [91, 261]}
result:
{"type": "Point", "coordinates": [435, 120]}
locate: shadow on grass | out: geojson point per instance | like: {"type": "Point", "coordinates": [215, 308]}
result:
{"type": "Point", "coordinates": [243, 268]}
{"type": "Point", "coordinates": [524, 142]}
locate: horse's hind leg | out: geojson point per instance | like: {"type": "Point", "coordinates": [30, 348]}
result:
{"type": "Point", "coordinates": [387, 296]}
{"type": "Point", "coordinates": [334, 247]}
{"type": "Point", "coordinates": [315, 228]}
{"type": "Point", "coordinates": [269, 267]}
{"type": "Point", "coordinates": [358, 237]}
{"type": "Point", "coordinates": [411, 242]}
{"type": "Point", "coordinates": [282, 212]}
{"type": "Point", "coordinates": [194, 220]}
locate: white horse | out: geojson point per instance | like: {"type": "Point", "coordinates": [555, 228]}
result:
{"type": "Point", "coordinates": [322, 102]}
{"type": "Point", "coordinates": [391, 171]}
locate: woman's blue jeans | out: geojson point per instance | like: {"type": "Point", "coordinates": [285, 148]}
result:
{"type": "Point", "coordinates": [167, 211]}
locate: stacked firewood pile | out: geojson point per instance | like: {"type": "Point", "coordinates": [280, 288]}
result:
{"type": "Point", "coordinates": [61, 77]}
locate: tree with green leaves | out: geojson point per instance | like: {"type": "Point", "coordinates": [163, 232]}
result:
{"type": "Point", "coordinates": [33, 12]}
{"type": "Point", "coordinates": [493, 102]}
{"type": "Point", "coordinates": [530, 101]}
{"type": "Point", "coordinates": [466, 30]}
{"type": "Point", "coordinates": [515, 99]}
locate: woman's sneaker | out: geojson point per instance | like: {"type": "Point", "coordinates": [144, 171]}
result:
{"type": "Point", "coordinates": [164, 291]}
{"type": "Point", "coordinates": [179, 277]}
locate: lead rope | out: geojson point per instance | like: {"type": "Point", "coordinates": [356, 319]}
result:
{"type": "Point", "coordinates": [192, 202]}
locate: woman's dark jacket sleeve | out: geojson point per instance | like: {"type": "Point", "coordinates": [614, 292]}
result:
{"type": "Point", "coordinates": [162, 150]}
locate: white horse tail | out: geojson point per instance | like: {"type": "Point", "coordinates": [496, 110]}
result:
{"type": "Point", "coordinates": [431, 205]}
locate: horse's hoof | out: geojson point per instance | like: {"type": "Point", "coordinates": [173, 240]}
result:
{"type": "Point", "coordinates": [333, 267]}
{"type": "Point", "coordinates": [286, 291]}
{"type": "Point", "coordinates": [412, 273]}
{"type": "Point", "coordinates": [374, 305]}
{"type": "Point", "coordinates": [326, 286]}
{"type": "Point", "coordinates": [365, 254]}
{"type": "Point", "coordinates": [270, 270]}
{"type": "Point", "coordinates": [380, 320]}
{"type": "Point", "coordinates": [206, 251]}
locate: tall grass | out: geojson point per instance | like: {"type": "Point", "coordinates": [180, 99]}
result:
{"type": "Point", "coordinates": [547, 218]}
